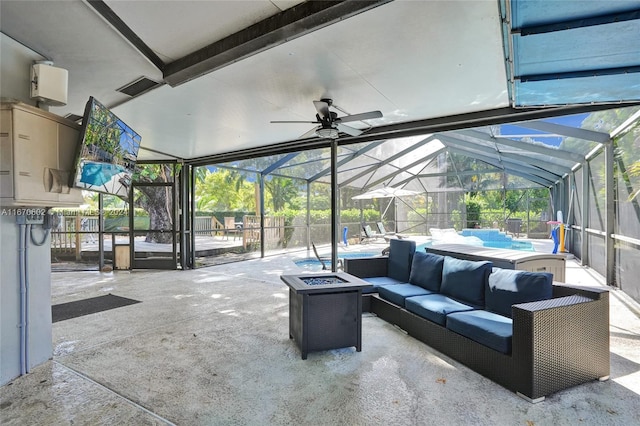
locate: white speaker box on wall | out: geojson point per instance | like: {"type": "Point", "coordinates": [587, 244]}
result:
{"type": "Point", "coordinates": [49, 84]}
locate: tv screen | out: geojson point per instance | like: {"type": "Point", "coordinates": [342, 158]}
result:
{"type": "Point", "coordinates": [107, 152]}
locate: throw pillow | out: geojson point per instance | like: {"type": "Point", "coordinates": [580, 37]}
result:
{"type": "Point", "coordinates": [465, 280]}
{"type": "Point", "coordinates": [509, 287]}
{"type": "Point", "coordinates": [426, 270]}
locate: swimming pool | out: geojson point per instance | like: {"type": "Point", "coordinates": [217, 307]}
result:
{"type": "Point", "coordinates": [313, 264]}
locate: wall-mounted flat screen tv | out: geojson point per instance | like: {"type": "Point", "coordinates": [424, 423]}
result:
{"type": "Point", "coordinates": [107, 152]}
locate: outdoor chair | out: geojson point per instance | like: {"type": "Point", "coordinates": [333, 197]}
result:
{"type": "Point", "coordinates": [323, 259]}
{"type": "Point", "coordinates": [383, 231]}
{"type": "Point", "coordinates": [230, 227]}
{"type": "Point", "coordinates": [369, 235]}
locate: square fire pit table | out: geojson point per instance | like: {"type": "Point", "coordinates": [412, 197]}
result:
{"type": "Point", "coordinates": [325, 311]}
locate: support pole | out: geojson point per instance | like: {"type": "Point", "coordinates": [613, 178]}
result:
{"type": "Point", "coordinates": [584, 258]}
{"type": "Point", "coordinates": [101, 232]}
{"type": "Point", "coordinates": [308, 216]}
{"type": "Point", "coordinates": [261, 207]}
{"type": "Point", "coordinates": [335, 207]}
{"type": "Point", "coordinates": [609, 215]}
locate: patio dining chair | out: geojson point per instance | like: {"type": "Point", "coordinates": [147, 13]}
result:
{"type": "Point", "coordinates": [230, 227]}
{"type": "Point", "coordinates": [323, 259]}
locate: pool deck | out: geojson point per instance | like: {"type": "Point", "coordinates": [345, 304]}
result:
{"type": "Point", "coordinates": [211, 346]}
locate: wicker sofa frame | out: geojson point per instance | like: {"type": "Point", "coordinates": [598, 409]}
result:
{"type": "Point", "coordinates": [557, 343]}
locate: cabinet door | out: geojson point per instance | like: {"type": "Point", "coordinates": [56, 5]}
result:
{"type": "Point", "coordinates": [6, 155]}
{"type": "Point", "coordinates": [35, 149]}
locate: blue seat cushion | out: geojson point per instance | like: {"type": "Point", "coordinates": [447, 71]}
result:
{"type": "Point", "coordinates": [487, 328]}
{"type": "Point", "coordinates": [379, 281]}
{"type": "Point", "coordinates": [465, 280]}
{"type": "Point", "coordinates": [509, 287]}
{"type": "Point", "coordinates": [400, 258]}
{"type": "Point", "coordinates": [434, 307]}
{"type": "Point", "coordinates": [426, 270]}
{"type": "Point", "coordinates": [397, 293]}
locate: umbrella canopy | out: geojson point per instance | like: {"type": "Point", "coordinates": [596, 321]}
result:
{"type": "Point", "coordinates": [386, 192]}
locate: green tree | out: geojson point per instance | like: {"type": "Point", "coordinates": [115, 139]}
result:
{"type": "Point", "coordinates": [224, 190]}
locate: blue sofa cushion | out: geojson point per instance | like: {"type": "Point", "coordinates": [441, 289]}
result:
{"type": "Point", "coordinates": [399, 292]}
{"type": "Point", "coordinates": [400, 257]}
{"type": "Point", "coordinates": [508, 287]}
{"type": "Point", "coordinates": [379, 281]}
{"type": "Point", "coordinates": [426, 270]}
{"type": "Point", "coordinates": [434, 307]}
{"type": "Point", "coordinates": [465, 280]}
{"type": "Point", "coordinates": [487, 328]}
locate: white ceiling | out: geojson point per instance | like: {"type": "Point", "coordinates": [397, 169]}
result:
{"type": "Point", "coordinates": [409, 59]}
{"type": "Point", "coordinates": [412, 60]}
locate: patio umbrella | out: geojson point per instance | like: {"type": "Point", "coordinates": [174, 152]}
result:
{"type": "Point", "coordinates": [386, 192]}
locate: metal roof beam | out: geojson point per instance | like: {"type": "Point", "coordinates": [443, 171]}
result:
{"type": "Point", "coordinates": [552, 167]}
{"type": "Point", "coordinates": [427, 159]}
{"type": "Point", "coordinates": [578, 23]}
{"type": "Point", "coordinates": [573, 132]}
{"type": "Point", "coordinates": [547, 165]}
{"type": "Point", "coordinates": [279, 163]}
{"type": "Point", "coordinates": [389, 159]}
{"type": "Point", "coordinates": [525, 146]}
{"type": "Point", "coordinates": [346, 159]}
{"type": "Point", "coordinates": [492, 153]}
{"type": "Point", "coordinates": [495, 162]}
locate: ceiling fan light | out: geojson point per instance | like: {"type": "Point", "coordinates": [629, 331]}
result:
{"type": "Point", "coordinates": [327, 132]}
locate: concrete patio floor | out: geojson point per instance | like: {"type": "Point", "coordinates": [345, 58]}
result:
{"type": "Point", "coordinates": [211, 347]}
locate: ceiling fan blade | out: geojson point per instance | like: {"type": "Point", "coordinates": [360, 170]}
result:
{"type": "Point", "coordinates": [322, 108]}
{"type": "Point", "coordinates": [308, 134]}
{"type": "Point", "coordinates": [306, 122]}
{"type": "Point", "coordinates": [348, 129]}
{"type": "Point", "coordinates": [358, 117]}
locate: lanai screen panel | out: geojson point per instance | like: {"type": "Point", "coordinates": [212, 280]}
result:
{"type": "Point", "coordinates": [595, 56]}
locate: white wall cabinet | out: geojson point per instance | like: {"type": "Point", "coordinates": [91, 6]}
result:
{"type": "Point", "coordinates": [37, 151]}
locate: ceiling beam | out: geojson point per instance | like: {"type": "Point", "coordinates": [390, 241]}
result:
{"type": "Point", "coordinates": [289, 24]}
{"type": "Point", "coordinates": [118, 24]}
{"type": "Point", "coordinates": [413, 128]}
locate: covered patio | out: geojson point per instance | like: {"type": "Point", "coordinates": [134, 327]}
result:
{"type": "Point", "coordinates": [444, 99]}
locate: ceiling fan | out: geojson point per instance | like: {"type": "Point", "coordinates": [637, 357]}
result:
{"type": "Point", "coordinates": [330, 125]}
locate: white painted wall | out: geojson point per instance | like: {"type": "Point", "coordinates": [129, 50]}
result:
{"type": "Point", "coordinates": [15, 69]}
{"type": "Point", "coordinates": [15, 62]}
{"type": "Point", "coordinates": [39, 281]}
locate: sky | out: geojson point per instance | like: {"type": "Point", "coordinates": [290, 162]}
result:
{"type": "Point", "coordinates": [571, 120]}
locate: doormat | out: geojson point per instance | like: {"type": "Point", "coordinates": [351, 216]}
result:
{"type": "Point", "coordinates": [65, 311]}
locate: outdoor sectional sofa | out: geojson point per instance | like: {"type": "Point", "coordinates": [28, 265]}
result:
{"type": "Point", "coordinates": [517, 328]}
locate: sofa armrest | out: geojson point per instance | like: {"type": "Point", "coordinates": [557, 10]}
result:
{"type": "Point", "coordinates": [562, 289]}
{"type": "Point", "coordinates": [561, 342]}
{"type": "Point", "coordinates": [367, 267]}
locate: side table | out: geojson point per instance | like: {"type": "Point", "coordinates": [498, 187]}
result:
{"type": "Point", "coordinates": [325, 311]}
